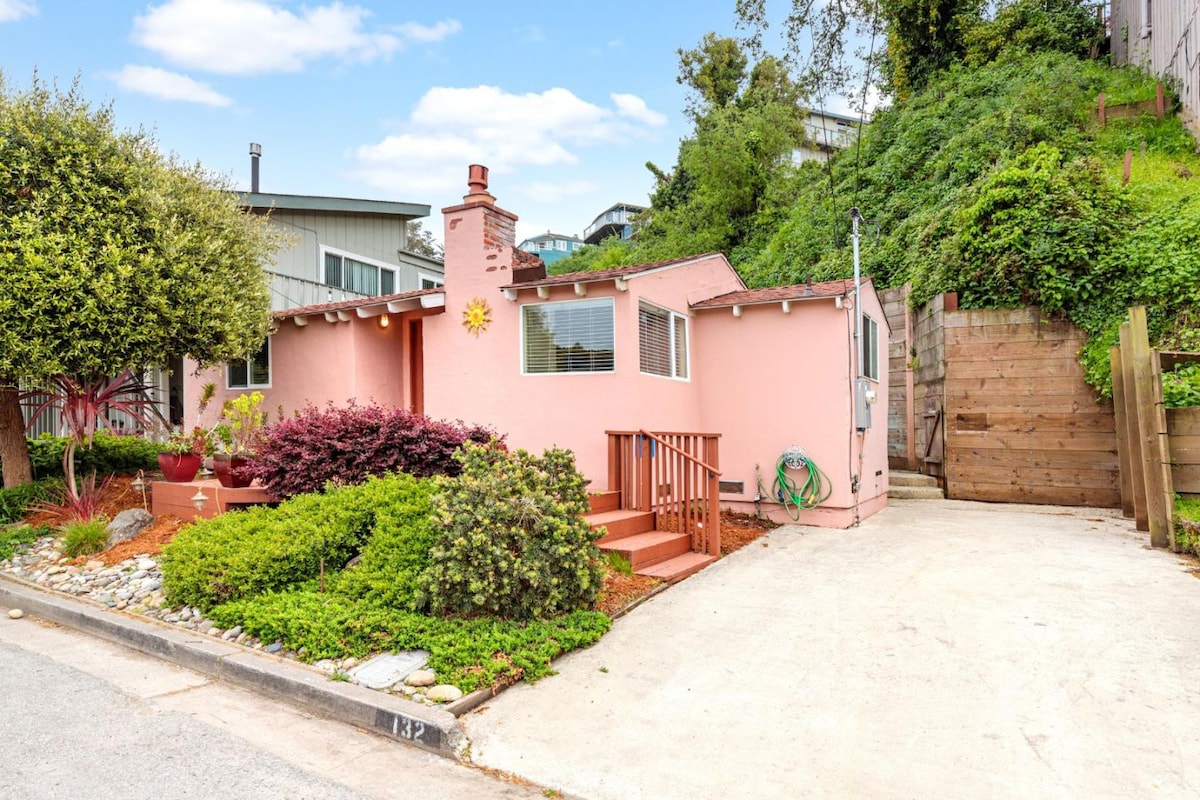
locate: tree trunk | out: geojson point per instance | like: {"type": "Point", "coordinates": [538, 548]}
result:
{"type": "Point", "coordinates": [14, 449]}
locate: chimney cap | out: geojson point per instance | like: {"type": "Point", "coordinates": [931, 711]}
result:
{"type": "Point", "coordinates": [255, 149]}
{"type": "Point", "coordinates": [477, 185]}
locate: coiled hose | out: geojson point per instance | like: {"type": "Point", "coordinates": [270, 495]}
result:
{"type": "Point", "coordinates": [810, 493]}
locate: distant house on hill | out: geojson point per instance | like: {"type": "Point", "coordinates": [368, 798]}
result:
{"type": "Point", "coordinates": [1163, 37]}
{"type": "Point", "coordinates": [551, 247]}
{"type": "Point", "coordinates": [616, 220]}
{"type": "Point", "coordinates": [824, 134]}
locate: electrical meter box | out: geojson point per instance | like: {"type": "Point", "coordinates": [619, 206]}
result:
{"type": "Point", "coordinates": [864, 398]}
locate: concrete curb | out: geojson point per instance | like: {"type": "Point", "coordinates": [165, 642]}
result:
{"type": "Point", "coordinates": [433, 729]}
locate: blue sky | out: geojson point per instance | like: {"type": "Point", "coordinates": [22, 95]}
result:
{"type": "Point", "coordinates": [564, 101]}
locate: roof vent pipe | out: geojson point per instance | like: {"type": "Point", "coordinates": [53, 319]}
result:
{"type": "Point", "coordinates": [255, 155]}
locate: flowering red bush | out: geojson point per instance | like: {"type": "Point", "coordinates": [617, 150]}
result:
{"type": "Point", "coordinates": [346, 445]}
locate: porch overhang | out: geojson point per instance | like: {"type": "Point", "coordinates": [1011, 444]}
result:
{"type": "Point", "coordinates": [420, 303]}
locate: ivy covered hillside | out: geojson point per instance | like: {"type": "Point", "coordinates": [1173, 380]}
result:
{"type": "Point", "coordinates": [988, 174]}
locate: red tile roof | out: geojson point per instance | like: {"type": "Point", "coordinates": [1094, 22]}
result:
{"type": "Point", "coordinates": [592, 276]}
{"type": "Point", "coordinates": [777, 294]}
{"type": "Point", "coordinates": [349, 305]}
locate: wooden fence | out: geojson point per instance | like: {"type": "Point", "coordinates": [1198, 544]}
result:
{"type": "Point", "coordinates": [1022, 425]}
{"type": "Point", "coordinates": [1159, 447]}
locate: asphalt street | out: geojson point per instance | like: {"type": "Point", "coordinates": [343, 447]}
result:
{"type": "Point", "coordinates": [82, 718]}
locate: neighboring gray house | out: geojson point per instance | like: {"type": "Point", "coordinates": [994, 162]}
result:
{"type": "Point", "coordinates": [1164, 37]}
{"type": "Point", "coordinates": [824, 134]}
{"type": "Point", "coordinates": [343, 248]}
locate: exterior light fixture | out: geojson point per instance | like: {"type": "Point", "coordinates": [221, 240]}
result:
{"type": "Point", "coordinates": [384, 321]}
{"type": "Point", "coordinates": [199, 499]}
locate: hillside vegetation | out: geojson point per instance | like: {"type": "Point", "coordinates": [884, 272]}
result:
{"type": "Point", "coordinates": [994, 179]}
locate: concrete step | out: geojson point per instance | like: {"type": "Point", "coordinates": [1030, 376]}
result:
{"type": "Point", "coordinates": [646, 549]}
{"type": "Point", "coordinates": [676, 569]}
{"type": "Point", "coordinates": [604, 501]}
{"type": "Point", "coordinates": [915, 493]}
{"type": "Point", "coordinates": [620, 524]}
{"type": "Point", "coordinates": [901, 478]}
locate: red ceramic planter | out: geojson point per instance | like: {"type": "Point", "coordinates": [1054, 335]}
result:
{"type": "Point", "coordinates": [179, 468]}
{"type": "Point", "coordinates": [228, 471]}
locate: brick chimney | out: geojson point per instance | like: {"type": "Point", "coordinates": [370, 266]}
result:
{"type": "Point", "coordinates": [479, 239]}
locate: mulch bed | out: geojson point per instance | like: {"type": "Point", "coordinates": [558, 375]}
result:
{"type": "Point", "coordinates": [739, 530]}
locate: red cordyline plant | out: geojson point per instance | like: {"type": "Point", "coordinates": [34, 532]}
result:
{"type": "Point", "coordinates": [83, 406]}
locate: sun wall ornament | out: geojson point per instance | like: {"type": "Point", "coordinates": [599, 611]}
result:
{"type": "Point", "coordinates": [477, 316]}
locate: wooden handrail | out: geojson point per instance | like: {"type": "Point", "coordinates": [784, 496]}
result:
{"type": "Point", "coordinates": [713, 470]}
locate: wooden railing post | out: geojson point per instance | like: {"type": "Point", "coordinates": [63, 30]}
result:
{"type": "Point", "coordinates": [711, 456]}
{"type": "Point", "coordinates": [645, 472]}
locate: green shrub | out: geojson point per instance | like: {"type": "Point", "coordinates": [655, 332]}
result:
{"type": "Point", "coordinates": [14, 537]}
{"type": "Point", "coordinates": [397, 552]}
{"type": "Point", "coordinates": [16, 501]}
{"type": "Point", "coordinates": [244, 553]}
{"type": "Point", "coordinates": [109, 455]}
{"type": "Point", "coordinates": [511, 539]}
{"type": "Point", "coordinates": [466, 653]}
{"type": "Point", "coordinates": [1181, 386]}
{"type": "Point", "coordinates": [84, 538]}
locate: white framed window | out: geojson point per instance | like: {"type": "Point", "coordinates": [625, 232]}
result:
{"type": "Point", "coordinates": [869, 357]}
{"type": "Point", "coordinates": [560, 244]}
{"type": "Point", "coordinates": [429, 281]}
{"type": "Point", "coordinates": [357, 273]}
{"type": "Point", "coordinates": [662, 342]}
{"type": "Point", "coordinates": [253, 372]}
{"type": "Point", "coordinates": [571, 336]}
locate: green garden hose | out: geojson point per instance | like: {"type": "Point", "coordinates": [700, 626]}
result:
{"type": "Point", "coordinates": [814, 490]}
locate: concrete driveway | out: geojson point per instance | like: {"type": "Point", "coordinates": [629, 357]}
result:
{"type": "Point", "coordinates": [943, 649]}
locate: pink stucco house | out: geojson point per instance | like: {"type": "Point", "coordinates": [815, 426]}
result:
{"type": "Point", "coordinates": [592, 360]}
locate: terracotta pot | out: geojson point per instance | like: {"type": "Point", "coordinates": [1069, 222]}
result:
{"type": "Point", "coordinates": [228, 471]}
{"type": "Point", "coordinates": [179, 468]}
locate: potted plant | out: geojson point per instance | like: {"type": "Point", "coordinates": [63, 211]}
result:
{"type": "Point", "coordinates": [239, 432]}
{"type": "Point", "coordinates": [182, 454]}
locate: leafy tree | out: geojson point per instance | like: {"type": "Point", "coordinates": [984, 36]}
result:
{"type": "Point", "coordinates": [421, 241]}
{"type": "Point", "coordinates": [1031, 26]}
{"type": "Point", "coordinates": [112, 256]}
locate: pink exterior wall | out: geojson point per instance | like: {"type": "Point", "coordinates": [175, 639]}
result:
{"type": "Point", "coordinates": [319, 363]}
{"type": "Point", "coordinates": [479, 379]}
{"type": "Point", "coordinates": [770, 380]}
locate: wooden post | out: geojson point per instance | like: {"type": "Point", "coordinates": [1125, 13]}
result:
{"type": "Point", "coordinates": [1163, 449]}
{"type": "Point", "coordinates": [1160, 102]}
{"type": "Point", "coordinates": [712, 458]}
{"type": "Point", "coordinates": [614, 465]}
{"type": "Point", "coordinates": [910, 412]}
{"type": "Point", "coordinates": [1137, 479]}
{"type": "Point", "coordinates": [1125, 173]}
{"type": "Point", "coordinates": [645, 467]}
{"type": "Point", "coordinates": [1157, 509]}
{"type": "Point", "coordinates": [1114, 360]}
{"type": "Point", "coordinates": [1100, 108]}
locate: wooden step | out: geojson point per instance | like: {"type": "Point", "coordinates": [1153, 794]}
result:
{"type": "Point", "coordinates": [676, 569]}
{"type": "Point", "coordinates": [604, 501]}
{"type": "Point", "coordinates": [645, 549]}
{"type": "Point", "coordinates": [915, 493]}
{"type": "Point", "coordinates": [898, 477]}
{"type": "Point", "coordinates": [620, 524]}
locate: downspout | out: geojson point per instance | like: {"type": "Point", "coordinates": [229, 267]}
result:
{"type": "Point", "coordinates": [856, 430]}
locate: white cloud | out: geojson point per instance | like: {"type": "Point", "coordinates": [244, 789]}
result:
{"type": "Point", "coordinates": [543, 192]}
{"type": "Point", "coordinates": [453, 127]}
{"type": "Point", "coordinates": [168, 85]}
{"type": "Point", "coordinates": [13, 10]}
{"type": "Point", "coordinates": [634, 107]}
{"type": "Point", "coordinates": [428, 34]}
{"type": "Point", "coordinates": [253, 37]}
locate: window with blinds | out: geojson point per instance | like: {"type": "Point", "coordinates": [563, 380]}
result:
{"type": "Point", "coordinates": [355, 275]}
{"type": "Point", "coordinates": [574, 336]}
{"type": "Point", "coordinates": [662, 342]}
{"type": "Point", "coordinates": [253, 372]}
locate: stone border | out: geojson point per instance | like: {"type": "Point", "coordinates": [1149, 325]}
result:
{"type": "Point", "coordinates": [434, 729]}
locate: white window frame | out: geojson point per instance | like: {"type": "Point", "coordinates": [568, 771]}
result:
{"type": "Point", "coordinates": [591, 300]}
{"type": "Point", "coordinates": [868, 355]}
{"type": "Point", "coordinates": [344, 254]}
{"type": "Point", "coordinates": [435, 281]}
{"type": "Point", "coordinates": [672, 316]}
{"type": "Point", "coordinates": [250, 373]}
